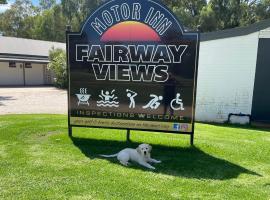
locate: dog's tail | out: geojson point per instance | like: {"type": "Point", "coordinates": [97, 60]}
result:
{"type": "Point", "coordinates": [109, 156]}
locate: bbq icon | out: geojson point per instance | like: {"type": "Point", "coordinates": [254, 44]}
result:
{"type": "Point", "coordinates": [83, 97]}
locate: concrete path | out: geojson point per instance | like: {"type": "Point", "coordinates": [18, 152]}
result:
{"type": "Point", "coordinates": [27, 100]}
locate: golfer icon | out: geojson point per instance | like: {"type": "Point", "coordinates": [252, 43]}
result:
{"type": "Point", "coordinates": [153, 103]}
{"type": "Point", "coordinates": [131, 94]}
{"type": "Point", "coordinates": [179, 104]}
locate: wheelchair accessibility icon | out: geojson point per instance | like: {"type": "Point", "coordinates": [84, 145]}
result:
{"type": "Point", "coordinates": [177, 104]}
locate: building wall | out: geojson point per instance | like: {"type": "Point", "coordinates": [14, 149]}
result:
{"type": "Point", "coordinates": [264, 33]}
{"type": "Point", "coordinates": [37, 75]}
{"type": "Point", "coordinates": [226, 76]}
{"type": "Point", "coordinates": [11, 76]}
{"type": "Point", "coordinates": [261, 95]}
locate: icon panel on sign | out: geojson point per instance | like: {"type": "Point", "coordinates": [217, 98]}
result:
{"type": "Point", "coordinates": [177, 103]}
{"type": "Point", "coordinates": [131, 95]}
{"type": "Point", "coordinates": [154, 103]}
{"type": "Point", "coordinates": [108, 99]}
{"type": "Point", "coordinates": [83, 97]}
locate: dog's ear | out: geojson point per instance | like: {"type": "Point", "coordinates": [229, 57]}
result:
{"type": "Point", "coordinates": [138, 149]}
{"type": "Point", "coordinates": [150, 147]}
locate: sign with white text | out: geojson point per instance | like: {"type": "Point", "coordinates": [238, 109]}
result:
{"type": "Point", "coordinates": [133, 66]}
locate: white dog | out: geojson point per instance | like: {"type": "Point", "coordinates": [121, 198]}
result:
{"type": "Point", "coordinates": [140, 155]}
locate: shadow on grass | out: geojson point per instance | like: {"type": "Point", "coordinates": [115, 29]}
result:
{"type": "Point", "coordinates": [188, 162]}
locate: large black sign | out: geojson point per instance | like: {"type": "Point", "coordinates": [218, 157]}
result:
{"type": "Point", "coordinates": [133, 66]}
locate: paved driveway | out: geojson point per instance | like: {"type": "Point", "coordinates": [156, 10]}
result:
{"type": "Point", "coordinates": [26, 100]}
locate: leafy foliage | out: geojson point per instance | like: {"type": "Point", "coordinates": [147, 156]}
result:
{"type": "Point", "coordinates": [46, 4]}
{"type": "Point", "coordinates": [208, 20]}
{"type": "Point", "coordinates": [58, 65]}
{"type": "Point", "coordinates": [50, 25]}
{"type": "Point", "coordinates": [48, 20]}
{"type": "Point", "coordinates": [15, 20]}
{"type": "Point", "coordinates": [263, 9]}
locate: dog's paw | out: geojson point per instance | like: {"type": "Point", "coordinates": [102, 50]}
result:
{"type": "Point", "coordinates": [124, 163]}
{"type": "Point", "coordinates": [158, 161]}
{"type": "Point", "coordinates": [153, 168]}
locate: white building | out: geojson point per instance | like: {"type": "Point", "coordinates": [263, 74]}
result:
{"type": "Point", "coordinates": [24, 62]}
{"type": "Point", "coordinates": [234, 74]}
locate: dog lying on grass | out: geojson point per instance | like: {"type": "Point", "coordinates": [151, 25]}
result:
{"type": "Point", "coordinates": [141, 155]}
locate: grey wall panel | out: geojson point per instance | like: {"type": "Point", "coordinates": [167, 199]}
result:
{"type": "Point", "coordinates": [261, 96]}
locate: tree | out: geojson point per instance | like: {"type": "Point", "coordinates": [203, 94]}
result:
{"type": "Point", "coordinates": [234, 13]}
{"type": "Point", "coordinates": [262, 10]}
{"type": "Point", "coordinates": [12, 20]}
{"type": "Point", "coordinates": [46, 4]}
{"type": "Point", "coordinates": [58, 65]}
{"type": "Point", "coordinates": [77, 11]}
{"type": "Point", "coordinates": [25, 20]}
{"type": "Point", "coordinates": [188, 11]}
{"type": "Point", "coordinates": [248, 14]}
{"type": "Point", "coordinates": [50, 25]}
{"type": "Point", "coordinates": [70, 9]}
{"type": "Point", "coordinates": [208, 20]}
{"type": "Point", "coordinates": [3, 2]}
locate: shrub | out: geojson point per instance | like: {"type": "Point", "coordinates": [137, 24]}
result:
{"type": "Point", "coordinates": [58, 65]}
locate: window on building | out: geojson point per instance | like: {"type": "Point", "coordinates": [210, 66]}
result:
{"type": "Point", "coordinates": [28, 65]}
{"type": "Point", "coordinates": [12, 64]}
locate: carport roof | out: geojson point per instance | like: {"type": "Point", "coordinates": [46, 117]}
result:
{"type": "Point", "coordinates": [12, 48]}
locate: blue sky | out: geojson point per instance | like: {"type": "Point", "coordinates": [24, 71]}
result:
{"type": "Point", "coordinates": [3, 8]}
{"type": "Point", "coordinates": [35, 2]}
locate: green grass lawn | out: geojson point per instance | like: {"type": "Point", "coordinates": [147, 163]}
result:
{"type": "Point", "coordinates": [39, 161]}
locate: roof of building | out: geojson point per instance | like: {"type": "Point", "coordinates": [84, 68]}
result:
{"type": "Point", "coordinates": [239, 31]}
{"type": "Point", "coordinates": [21, 49]}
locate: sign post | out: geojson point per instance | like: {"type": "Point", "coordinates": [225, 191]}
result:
{"type": "Point", "coordinates": [133, 66]}
{"type": "Point", "coordinates": [68, 30]}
